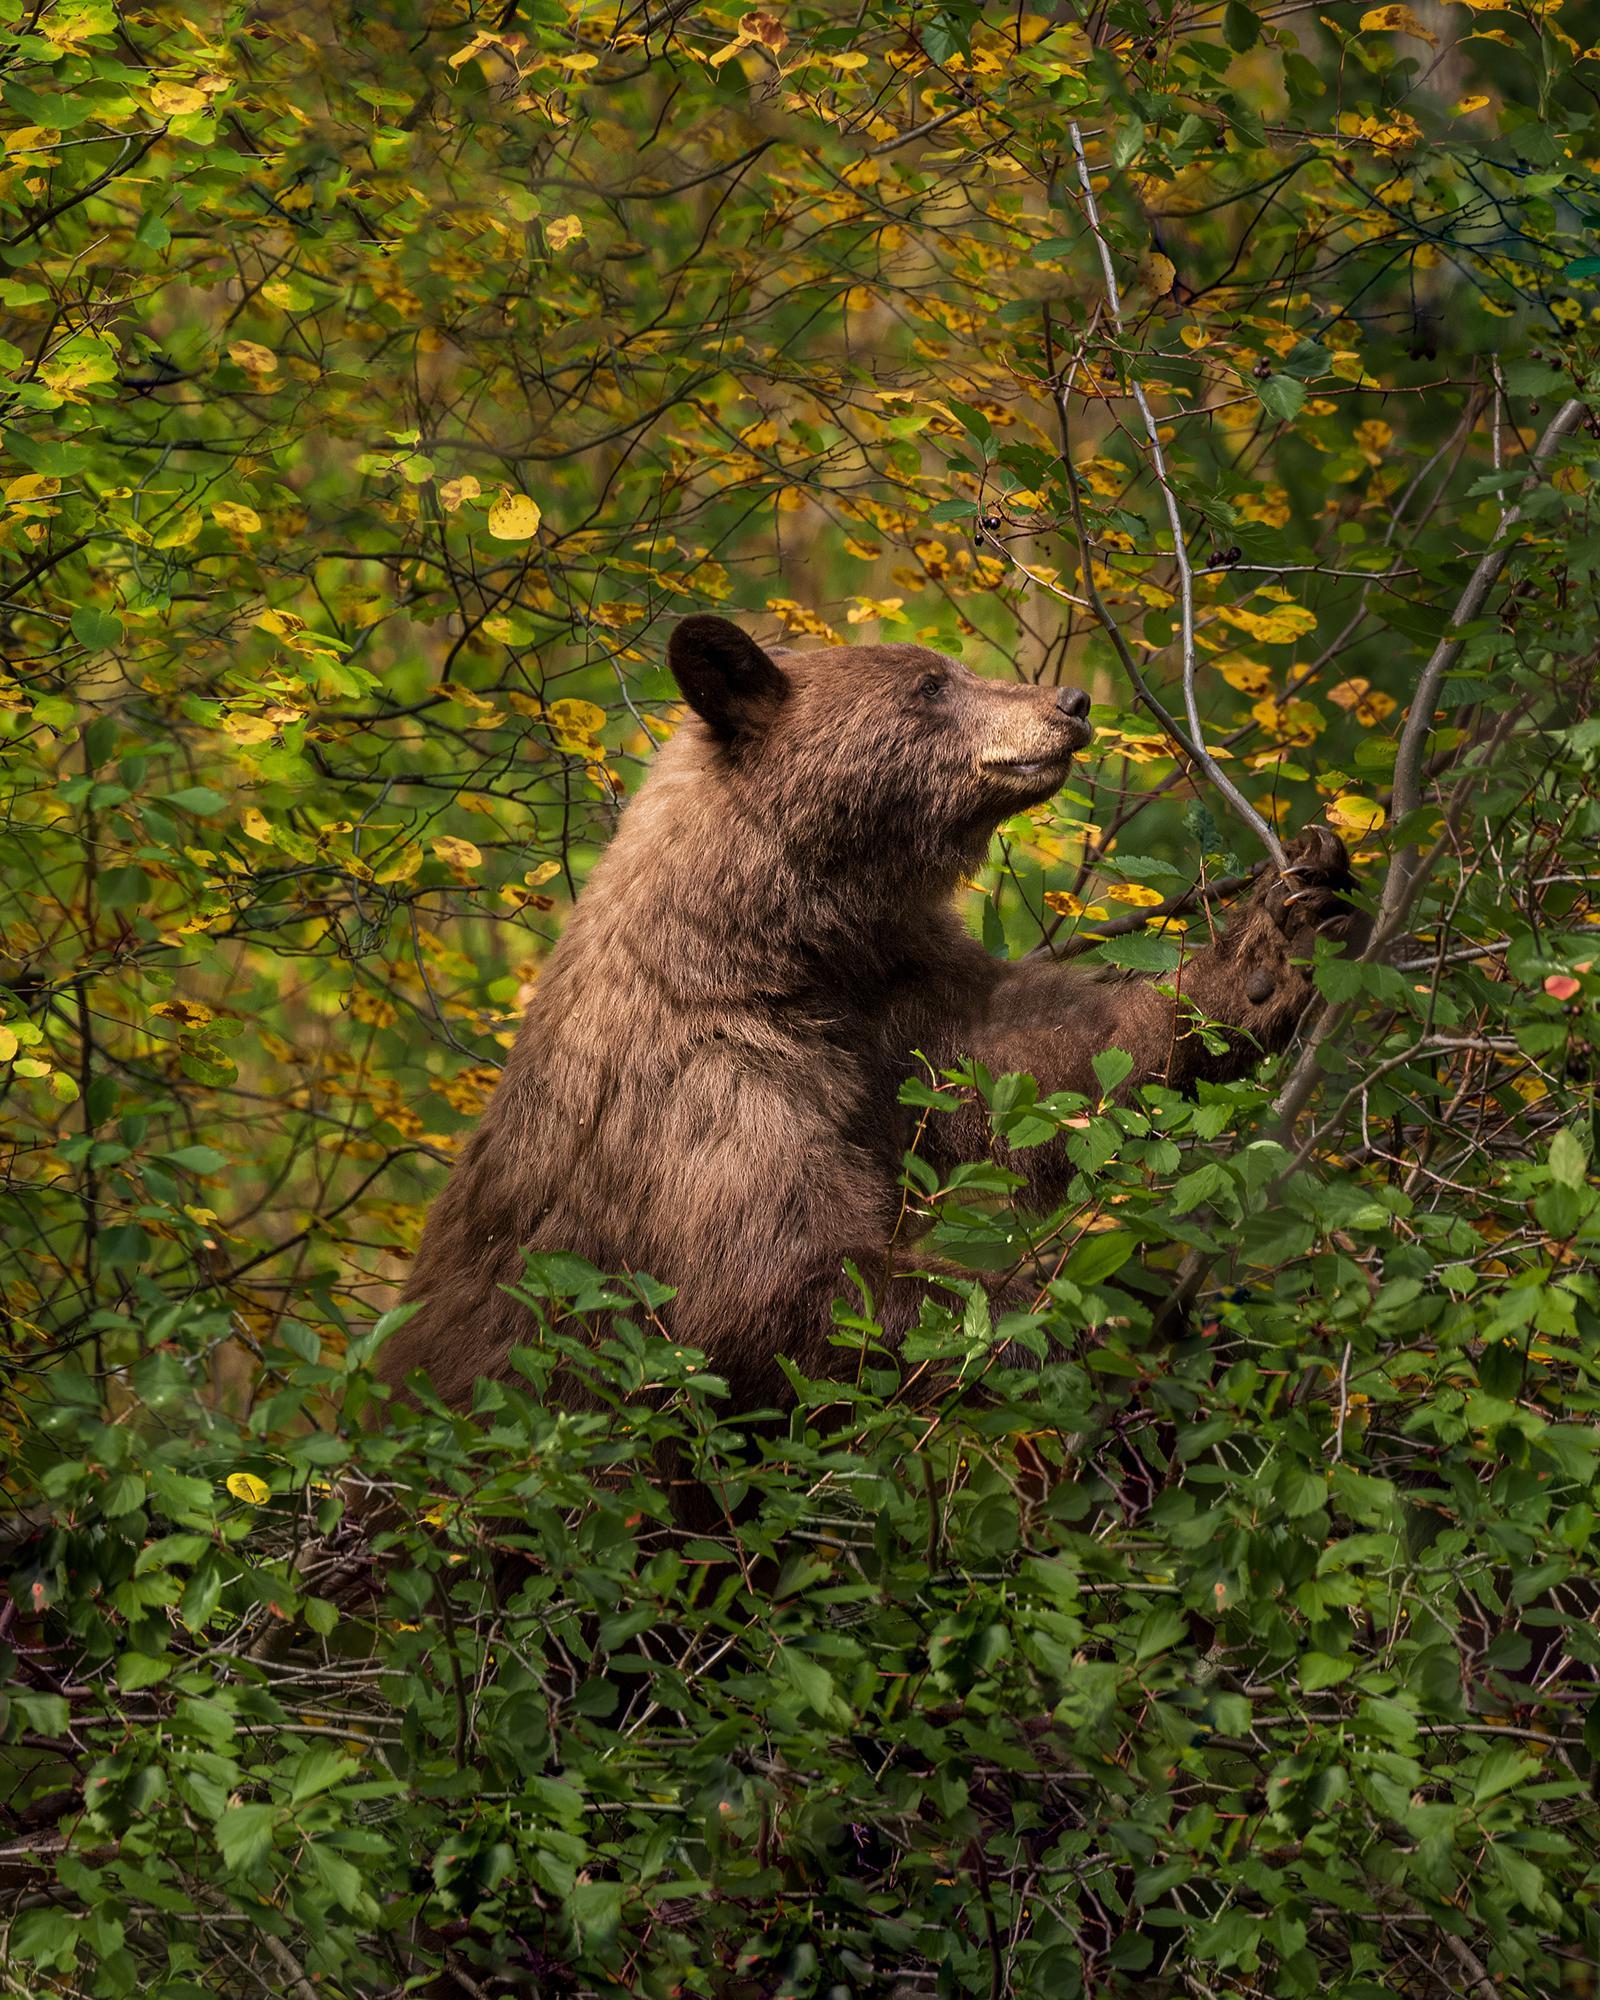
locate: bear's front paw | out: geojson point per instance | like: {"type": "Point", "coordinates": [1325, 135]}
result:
{"type": "Point", "coordinates": [1313, 893]}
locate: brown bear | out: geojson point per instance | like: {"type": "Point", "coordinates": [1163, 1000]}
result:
{"type": "Point", "coordinates": [706, 1085]}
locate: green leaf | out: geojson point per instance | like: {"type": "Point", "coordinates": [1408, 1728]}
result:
{"type": "Point", "coordinates": [1591, 1728]}
{"type": "Point", "coordinates": [47, 1938]}
{"type": "Point", "coordinates": [1569, 1159]}
{"type": "Point", "coordinates": [341, 1878]}
{"type": "Point", "coordinates": [99, 630]}
{"type": "Point", "coordinates": [244, 1836]}
{"type": "Point", "coordinates": [1241, 29]}
{"type": "Point", "coordinates": [197, 1159]}
{"type": "Point", "coordinates": [55, 458]}
{"type": "Point", "coordinates": [320, 1768]}
{"type": "Point", "coordinates": [1098, 1256]}
{"type": "Point", "coordinates": [596, 1911]}
{"type": "Point", "coordinates": [1320, 1670]}
{"type": "Point", "coordinates": [1501, 1771]}
{"type": "Point", "coordinates": [812, 1681]}
{"type": "Point", "coordinates": [1281, 396]}
{"type": "Point", "coordinates": [1140, 951]}
{"type": "Point", "coordinates": [199, 799]}
{"type": "Point", "coordinates": [1127, 142]}
{"type": "Point", "coordinates": [1300, 1490]}
{"type": "Point", "coordinates": [142, 1670]}
{"type": "Point", "coordinates": [1161, 1628]}
{"type": "Point", "coordinates": [1198, 1187]}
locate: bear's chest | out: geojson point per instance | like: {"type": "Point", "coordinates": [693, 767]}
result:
{"type": "Point", "coordinates": [850, 1062]}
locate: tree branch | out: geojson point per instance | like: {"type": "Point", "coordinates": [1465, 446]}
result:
{"type": "Point", "coordinates": [1158, 464]}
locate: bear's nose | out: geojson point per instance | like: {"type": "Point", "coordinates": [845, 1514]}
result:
{"type": "Point", "coordinates": [1073, 702]}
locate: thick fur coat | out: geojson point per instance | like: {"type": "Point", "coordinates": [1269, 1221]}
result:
{"type": "Point", "coordinates": [706, 1083]}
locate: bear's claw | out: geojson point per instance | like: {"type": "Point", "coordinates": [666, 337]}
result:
{"type": "Point", "coordinates": [1312, 893]}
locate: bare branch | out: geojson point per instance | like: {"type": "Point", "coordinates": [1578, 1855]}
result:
{"type": "Point", "coordinates": [1158, 464]}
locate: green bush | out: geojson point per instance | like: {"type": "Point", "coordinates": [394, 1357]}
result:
{"type": "Point", "coordinates": [1257, 1659]}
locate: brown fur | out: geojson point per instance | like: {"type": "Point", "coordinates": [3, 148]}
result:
{"type": "Point", "coordinates": [705, 1086]}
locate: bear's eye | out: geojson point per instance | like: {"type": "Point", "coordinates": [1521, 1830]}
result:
{"type": "Point", "coordinates": [930, 685]}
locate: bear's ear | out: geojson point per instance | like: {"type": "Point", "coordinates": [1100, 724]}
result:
{"type": "Point", "coordinates": [725, 677]}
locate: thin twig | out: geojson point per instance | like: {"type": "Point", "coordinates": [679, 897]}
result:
{"type": "Point", "coordinates": [1158, 464]}
{"type": "Point", "coordinates": [1407, 868]}
{"type": "Point", "coordinates": [1407, 792]}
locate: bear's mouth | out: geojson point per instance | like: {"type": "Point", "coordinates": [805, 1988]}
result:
{"type": "Point", "coordinates": [1029, 767]}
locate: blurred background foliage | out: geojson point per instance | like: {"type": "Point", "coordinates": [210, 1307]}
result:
{"type": "Point", "coordinates": [379, 385]}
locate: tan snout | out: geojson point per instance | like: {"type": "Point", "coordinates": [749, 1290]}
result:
{"type": "Point", "coordinates": [1036, 729]}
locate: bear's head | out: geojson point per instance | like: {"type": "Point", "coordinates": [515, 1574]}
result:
{"type": "Point", "coordinates": [845, 748]}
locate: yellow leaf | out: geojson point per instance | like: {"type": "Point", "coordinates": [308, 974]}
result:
{"type": "Point", "coordinates": [454, 491]}
{"type": "Point", "coordinates": [256, 825]}
{"type": "Point", "coordinates": [578, 62]}
{"type": "Point", "coordinates": [1397, 20]}
{"type": "Point", "coordinates": [764, 28]}
{"type": "Point", "coordinates": [1158, 273]}
{"type": "Point", "coordinates": [1354, 815]}
{"type": "Point", "coordinates": [177, 100]}
{"type": "Point", "coordinates": [866, 609]}
{"type": "Point", "coordinates": [476, 46]}
{"type": "Point", "coordinates": [282, 624]}
{"type": "Point", "coordinates": [1270, 507]}
{"type": "Point", "coordinates": [1465, 106]}
{"type": "Point", "coordinates": [1366, 703]}
{"type": "Point", "coordinates": [32, 486]}
{"type": "Point", "coordinates": [1137, 893]}
{"type": "Point", "coordinates": [1279, 627]}
{"type": "Point", "coordinates": [1290, 721]}
{"type": "Point", "coordinates": [546, 871]}
{"type": "Point", "coordinates": [8, 1044]}
{"type": "Point", "coordinates": [564, 230]}
{"type": "Point", "coordinates": [458, 853]}
{"type": "Point", "coordinates": [574, 726]}
{"type": "Point", "coordinates": [246, 1486]}
{"type": "Point", "coordinates": [83, 361]}
{"type": "Point", "coordinates": [514, 518]}
{"type": "Point", "coordinates": [180, 530]}
{"type": "Point", "coordinates": [32, 139]}
{"type": "Point", "coordinates": [249, 729]}
{"type": "Point", "coordinates": [252, 357]}
{"type": "Point", "coordinates": [1393, 135]}
{"type": "Point", "coordinates": [849, 59]}
{"type": "Point", "coordinates": [234, 514]}
{"type": "Point", "coordinates": [187, 1013]}
{"type": "Point", "coordinates": [403, 868]}
{"type": "Point", "coordinates": [1065, 904]}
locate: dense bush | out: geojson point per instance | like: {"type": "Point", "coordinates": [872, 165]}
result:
{"type": "Point", "coordinates": [1259, 1659]}
{"type": "Point", "coordinates": [377, 386]}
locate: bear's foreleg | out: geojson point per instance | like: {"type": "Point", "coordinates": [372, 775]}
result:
{"type": "Point", "coordinates": [1219, 1013]}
